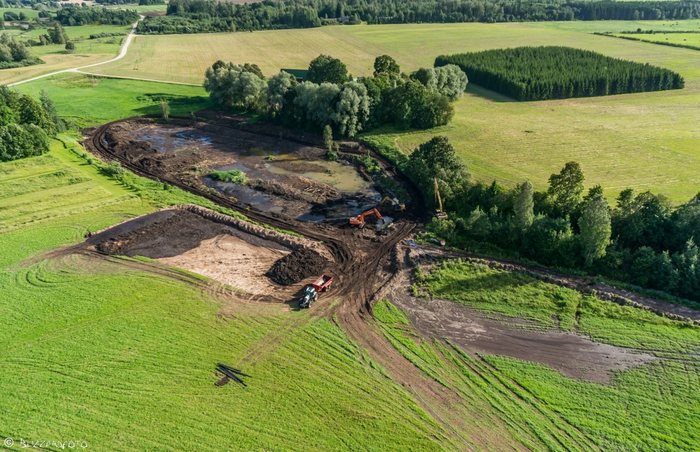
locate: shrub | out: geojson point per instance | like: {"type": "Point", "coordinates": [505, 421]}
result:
{"type": "Point", "coordinates": [233, 176]}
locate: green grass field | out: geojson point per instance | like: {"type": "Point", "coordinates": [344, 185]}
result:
{"type": "Point", "coordinates": [88, 51]}
{"type": "Point", "coordinates": [75, 97]}
{"type": "Point", "coordinates": [648, 407]}
{"type": "Point", "coordinates": [75, 33]}
{"type": "Point", "coordinates": [691, 40]}
{"type": "Point", "coordinates": [645, 141]}
{"type": "Point", "coordinates": [30, 13]}
{"type": "Point", "coordinates": [141, 8]}
{"type": "Point", "coordinates": [123, 359]}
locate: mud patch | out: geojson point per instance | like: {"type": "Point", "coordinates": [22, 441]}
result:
{"type": "Point", "coordinates": [573, 355]}
{"type": "Point", "coordinates": [285, 177]}
{"type": "Point", "coordinates": [171, 235]}
{"type": "Point", "coordinates": [297, 266]}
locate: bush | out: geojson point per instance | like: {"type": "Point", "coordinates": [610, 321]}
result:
{"type": "Point", "coordinates": [233, 176]}
{"type": "Point", "coordinates": [370, 164]}
{"type": "Point", "coordinates": [114, 169]}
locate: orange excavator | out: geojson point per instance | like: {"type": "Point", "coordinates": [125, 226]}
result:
{"type": "Point", "coordinates": [359, 220]}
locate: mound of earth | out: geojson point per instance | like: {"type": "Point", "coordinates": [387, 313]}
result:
{"type": "Point", "coordinates": [296, 266]}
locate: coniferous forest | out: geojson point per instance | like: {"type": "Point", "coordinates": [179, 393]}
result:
{"type": "Point", "coordinates": [541, 73]}
{"type": "Point", "coordinates": [206, 16]}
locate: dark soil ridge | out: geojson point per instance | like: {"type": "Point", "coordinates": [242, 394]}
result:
{"type": "Point", "coordinates": [297, 266]}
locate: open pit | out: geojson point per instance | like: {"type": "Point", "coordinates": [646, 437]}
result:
{"type": "Point", "coordinates": [284, 177]}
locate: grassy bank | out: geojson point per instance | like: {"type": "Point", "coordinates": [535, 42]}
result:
{"type": "Point", "coordinates": [652, 406]}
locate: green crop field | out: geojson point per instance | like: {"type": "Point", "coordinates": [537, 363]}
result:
{"type": "Point", "coordinates": [75, 97]}
{"type": "Point", "coordinates": [653, 406]}
{"type": "Point", "coordinates": [645, 141]}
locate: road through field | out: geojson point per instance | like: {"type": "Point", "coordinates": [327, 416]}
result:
{"type": "Point", "coordinates": [122, 54]}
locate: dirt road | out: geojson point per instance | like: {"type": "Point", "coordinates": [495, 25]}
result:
{"type": "Point", "coordinates": [122, 54]}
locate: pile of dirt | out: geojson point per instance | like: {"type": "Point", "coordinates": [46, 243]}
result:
{"type": "Point", "coordinates": [297, 266]}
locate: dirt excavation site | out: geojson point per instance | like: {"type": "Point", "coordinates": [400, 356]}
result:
{"type": "Point", "coordinates": [292, 187]}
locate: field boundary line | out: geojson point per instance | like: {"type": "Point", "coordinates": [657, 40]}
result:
{"type": "Point", "coordinates": [133, 78]}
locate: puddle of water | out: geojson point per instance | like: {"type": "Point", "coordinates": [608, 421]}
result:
{"type": "Point", "coordinates": [314, 218]}
{"type": "Point", "coordinates": [233, 166]}
{"type": "Point", "coordinates": [258, 151]}
{"type": "Point", "coordinates": [192, 135]}
{"type": "Point", "coordinates": [163, 141]}
{"type": "Point", "coordinates": [243, 193]}
{"type": "Point", "coordinates": [342, 177]}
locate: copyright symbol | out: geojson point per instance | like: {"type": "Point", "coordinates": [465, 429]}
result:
{"type": "Point", "coordinates": [9, 442]}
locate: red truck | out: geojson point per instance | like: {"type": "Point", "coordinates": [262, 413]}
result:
{"type": "Point", "coordinates": [311, 291]}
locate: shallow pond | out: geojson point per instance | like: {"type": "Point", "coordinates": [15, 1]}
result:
{"type": "Point", "coordinates": [342, 177]}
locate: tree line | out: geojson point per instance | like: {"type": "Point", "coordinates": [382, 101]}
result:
{"type": "Point", "coordinates": [14, 53]}
{"type": "Point", "coordinates": [26, 124]}
{"type": "Point", "coordinates": [541, 73]}
{"type": "Point", "coordinates": [641, 240]}
{"type": "Point", "coordinates": [331, 97]}
{"type": "Point", "coordinates": [197, 16]}
{"type": "Point", "coordinates": [87, 15]}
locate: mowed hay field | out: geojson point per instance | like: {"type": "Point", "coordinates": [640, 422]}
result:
{"type": "Point", "coordinates": [681, 39]}
{"type": "Point", "coordinates": [644, 141]}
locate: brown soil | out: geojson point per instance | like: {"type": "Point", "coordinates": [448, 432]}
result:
{"type": "Point", "coordinates": [172, 234]}
{"type": "Point", "coordinates": [571, 354]}
{"type": "Point", "coordinates": [234, 262]}
{"type": "Point", "coordinates": [187, 151]}
{"type": "Point", "coordinates": [296, 266]}
{"type": "Point", "coordinates": [186, 240]}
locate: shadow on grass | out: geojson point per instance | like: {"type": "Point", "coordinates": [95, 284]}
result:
{"type": "Point", "coordinates": [179, 105]}
{"type": "Point", "coordinates": [486, 281]}
{"type": "Point", "coordinates": [488, 94]}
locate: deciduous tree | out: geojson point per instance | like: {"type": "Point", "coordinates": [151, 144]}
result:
{"type": "Point", "coordinates": [566, 188]}
{"type": "Point", "coordinates": [595, 229]}
{"type": "Point", "coordinates": [524, 205]}
{"type": "Point", "coordinates": [326, 69]}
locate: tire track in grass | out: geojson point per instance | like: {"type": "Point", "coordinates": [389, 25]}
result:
{"type": "Point", "coordinates": [514, 406]}
{"type": "Point", "coordinates": [570, 430]}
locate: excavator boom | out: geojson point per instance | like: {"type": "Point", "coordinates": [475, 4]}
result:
{"type": "Point", "coordinates": [360, 219]}
{"type": "Point", "coordinates": [441, 214]}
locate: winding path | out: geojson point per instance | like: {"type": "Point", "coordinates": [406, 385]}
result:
{"type": "Point", "coordinates": [122, 54]}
